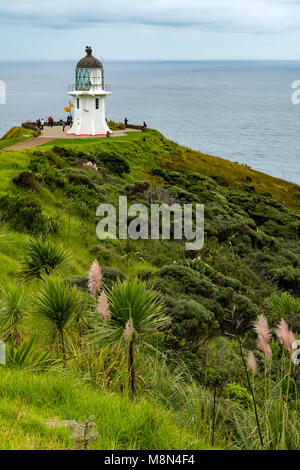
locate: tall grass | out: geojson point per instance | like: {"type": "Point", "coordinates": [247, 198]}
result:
{"type": "Point", "coordinates": [28, 400]}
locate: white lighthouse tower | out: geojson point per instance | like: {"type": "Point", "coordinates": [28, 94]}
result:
{"type": "Point", "coordinates": [89, 93]}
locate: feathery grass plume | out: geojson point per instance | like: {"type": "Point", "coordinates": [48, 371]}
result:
{"type": "Point", "coordinates": [265, 348]}
{"type": "Point", "coordinates": [252, 363]}
{"type": "Point", "coordinates": [102, 308]}
{"type": "Point", "coordinates": [95, 279]}
{"type": "Point", "coordinates": [261, 344]}
{"type": "Point", "coordinates": [268, 353]}
{"type": "Point", "coordinates": [285, 336]}
{"type": "Point", "coordinates": [128, 330]}
{"type": "Point", "coordinates": [262, 329]}
{"type": "Point", "coordinates": [282, 333]}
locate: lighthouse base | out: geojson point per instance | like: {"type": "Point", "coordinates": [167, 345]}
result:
{"type": "Point", "coordinates": [89, 119]}
{"type": "Point", "coordinates": [89, 135]}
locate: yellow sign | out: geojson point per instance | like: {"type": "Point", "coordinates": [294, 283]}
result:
{"type": "Point", "coordinates": [67, 109]}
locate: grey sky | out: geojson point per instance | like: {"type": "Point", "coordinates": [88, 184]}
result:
{"type": "Point", "coordinates": [150, 29]}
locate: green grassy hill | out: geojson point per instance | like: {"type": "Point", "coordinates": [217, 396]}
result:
{"type": "Point", "coordinates": [251, 254]}
{"type": "Point", "coordinates": [16, 135]}
{"type": "Point", "coordinates": [29, 401]}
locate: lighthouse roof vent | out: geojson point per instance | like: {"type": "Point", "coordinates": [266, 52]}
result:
{"type": "Point", "coordinates": [89, 61]}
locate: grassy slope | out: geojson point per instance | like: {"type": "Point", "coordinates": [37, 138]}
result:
{"type": "Point", "coordinates": [28, 401]}
{"type": "Point", "coordinates": [155, 152]}
{"type": "Point", "coordinates": [15, 135]}
{"type": "Point", "coordinates": [143, 152]}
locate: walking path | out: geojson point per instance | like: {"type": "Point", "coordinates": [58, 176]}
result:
{"type": "Point", "coordinates": [53, 133]}
{"type": "Point", "coordinates": [28, 144]}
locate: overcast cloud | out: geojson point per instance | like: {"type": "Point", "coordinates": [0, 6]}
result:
{"type": "Point", "coordinates": [228, 24]}
{"type": "Point", "coordinates": [242, 15]}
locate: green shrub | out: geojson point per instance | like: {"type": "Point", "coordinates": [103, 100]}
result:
{"type": "Point", "coordinates": [51, 156]}
{"type": "Point", "coordinates": [78, 176]}
{"type": "Point", "coordinates": [113, 162]}
{"type": "Point", "coordinates": [23, 212]}
{"type": "Point", "coordinates": [190, 319]}
{"type": "Point", "coordinates": [63, 152]}
{"type": "Point", "coordinates": [186, 280]}
{"type": "Point", "coordinates": [115, 126]}
{"type": "Point", "coordinates": [238, 394]}
{"type": "Point", "coordinates": [137, 188]}
{"type": "Point", "coordinates": [53, 177]}
{"type": "Point", "coordinates": [29, 180]}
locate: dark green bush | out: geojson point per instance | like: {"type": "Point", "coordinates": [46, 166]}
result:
{"type": "Point", "coordinates": [52, 176]}
{"type": "Point", "coordinates": [186, 280]}
{"type": "Point", "coordinates": [63, 152]}
{"type": "Point", "coordinates": [78, 176]}
{"type": "Point", "coordinates": [51, 156]}
{"type": "Point", "coordinates": [190, 319]}
{"type": "Point", "coordinates": [23, 212]}
{"type": "Point", "coordinates": [114, 163]}
{"type": "Point", "coordinates": [29, 180]}
{"type": "Point", "coordinates": [137, 188]}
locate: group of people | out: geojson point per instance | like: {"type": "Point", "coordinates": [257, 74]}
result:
{"type": "Point", "coordinates": [41, 122]}
{"type": "Point", "coordinates": [50, 121]}
{"type": "Point", "coordinates": [143, 127]}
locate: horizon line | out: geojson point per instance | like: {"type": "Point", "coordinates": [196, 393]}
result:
{"type": "Point", "coordinates": [154, 60]}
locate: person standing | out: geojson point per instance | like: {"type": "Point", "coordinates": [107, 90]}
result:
{"type": "Point", "coordinates": [42, 124]}
{"type": "Point", "coordinates": [63, 125]}
{"type": "Point", "coordinates": [126, 122]}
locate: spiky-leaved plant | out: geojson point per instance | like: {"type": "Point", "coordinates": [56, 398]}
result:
{"type": "Point", "coordinates": [135, 310]}
{"type": "Point", "coordinates": [12, 310]}
{"type": "Point", "coordinates": [286, 306]}
{"type": "Point", "coordinates": [3, 231]}
{"type": "Point", "coordinates": [41, 257]}
{"type": "Point", "coordinates": [56, 303]}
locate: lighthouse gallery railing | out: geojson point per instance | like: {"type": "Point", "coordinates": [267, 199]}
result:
{"type": "Point", "coordinates": [86, 87]}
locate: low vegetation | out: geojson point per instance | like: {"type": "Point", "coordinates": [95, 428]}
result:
{"type": "Point", "coordinates": [184, 349]}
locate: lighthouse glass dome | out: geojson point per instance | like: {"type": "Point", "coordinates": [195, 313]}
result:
{"type": "Point", "coordinates": [89, 71]}
{"type": "Point", "coordinates": [83, 79]}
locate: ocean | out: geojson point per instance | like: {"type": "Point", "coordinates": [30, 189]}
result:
{"type": "Point", "coordinates": [239, 110]}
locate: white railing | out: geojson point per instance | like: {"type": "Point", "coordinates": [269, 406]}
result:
{"type": "Point", "coordinates": [87, 87]}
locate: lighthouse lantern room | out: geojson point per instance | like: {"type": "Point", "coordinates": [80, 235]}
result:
{"type": "Point", "coordinates": [89, 93]}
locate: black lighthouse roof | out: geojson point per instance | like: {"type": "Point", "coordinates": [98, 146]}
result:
{"type": "Point", "coordinates": [89, 61]}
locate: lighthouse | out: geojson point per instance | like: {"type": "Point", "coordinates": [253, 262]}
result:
{"type": "Point", "coordinates": [89, 93]}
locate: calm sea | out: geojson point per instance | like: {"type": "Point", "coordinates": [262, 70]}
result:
{"type": "Point", "coordinates": [238, 110]}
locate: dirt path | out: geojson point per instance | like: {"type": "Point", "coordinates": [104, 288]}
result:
{"type": "Point", "coordinates": [29, 144]}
